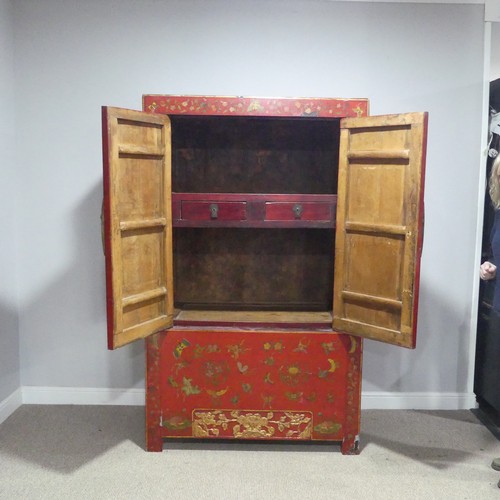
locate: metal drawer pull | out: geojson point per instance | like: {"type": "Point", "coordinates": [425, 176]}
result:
{"type": "Point", "coordinates": [214, 211]}
{"type": "Point", "coordinates": [297, 210]}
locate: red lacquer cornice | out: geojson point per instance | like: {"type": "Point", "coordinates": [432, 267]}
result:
{"type": "Point", "coordinates": [255, 106]}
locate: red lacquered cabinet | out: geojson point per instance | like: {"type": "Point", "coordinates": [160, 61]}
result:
{"type": "Point", "coordinates": [254, 243]}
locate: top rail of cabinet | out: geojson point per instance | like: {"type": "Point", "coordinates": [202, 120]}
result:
{"type": "Point", "coordinates": [298, 107]}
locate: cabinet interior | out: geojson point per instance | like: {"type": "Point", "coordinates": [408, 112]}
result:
{"type": "Point", "coordinates": [250, 274]}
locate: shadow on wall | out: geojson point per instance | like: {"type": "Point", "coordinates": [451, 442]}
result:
{"type": "Point", "coordinates": [393, 368]}
{"type": "Point", "coordinates": [64, 325]}
{"type": "Point", "coordinates": [9, 351]}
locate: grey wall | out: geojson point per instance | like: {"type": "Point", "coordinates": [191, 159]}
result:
{"type": "Point", "coordinates": [72, 57]}
{"type": "Point", "coordinates": [9, 331]}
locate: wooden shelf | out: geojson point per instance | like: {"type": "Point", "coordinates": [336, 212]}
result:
{"type": "Point", "coordinates": [252, 319]}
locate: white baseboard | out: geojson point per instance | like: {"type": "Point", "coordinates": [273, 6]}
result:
{"type": "Point", "coordinates": [136, 397]}
{"type": "Point", "coordinates": [417, 401]}
{"type": "Point", "coordinates": [10, 404]}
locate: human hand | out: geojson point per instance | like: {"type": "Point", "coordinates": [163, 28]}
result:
{"type": "Point", "coordinates": [487, 271]}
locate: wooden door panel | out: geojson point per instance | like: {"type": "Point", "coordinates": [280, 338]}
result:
{"type": "Point", "coordinates": [380, 227]}
{"type": "Point", "coordinates": [139, 181]}
{"type": "Point", "coordinates": [386, 276]}
{"type": "Point", "coordinates": [385, 204]}
{"type": "Point", "coordinates": [138, 224]}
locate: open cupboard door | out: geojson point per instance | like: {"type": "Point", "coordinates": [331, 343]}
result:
{"type": "Point", "coordinates": [380, 227]}
{"type": "Point", "coordinates": [137, 224]}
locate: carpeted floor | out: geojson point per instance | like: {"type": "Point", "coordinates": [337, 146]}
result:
{"type": "Point", "coordinates": [97, 452]}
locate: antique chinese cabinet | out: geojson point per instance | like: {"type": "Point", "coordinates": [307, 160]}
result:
{"type": "Point", "coordinates": [254, 243]}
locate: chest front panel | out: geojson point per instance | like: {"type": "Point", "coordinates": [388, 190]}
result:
{"type": "Point", "coordinates": [233, 384]}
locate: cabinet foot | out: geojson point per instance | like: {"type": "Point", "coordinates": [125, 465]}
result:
{"type": "Point", "coordinates": [156, 446]}
{"type": "Point", "coordinates": [350, 445]}
{"type": "Point", "coordinates": [154, 443]}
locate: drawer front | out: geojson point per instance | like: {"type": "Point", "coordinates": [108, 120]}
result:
{"type": "Point", "coordinates": [306, 211]}
{"type": "Point", "coordinates": [207, 210]}
{"type": "Point", "coordinates": [254, 210]}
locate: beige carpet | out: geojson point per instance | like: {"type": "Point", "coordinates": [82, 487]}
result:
{"type": "Point", "coordinates": [97, 452]}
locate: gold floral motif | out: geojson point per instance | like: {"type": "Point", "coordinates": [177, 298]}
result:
{"type": "Point", "coordinates": [187, 388]}
{"type": "Point", "coordinates": [276, 346]}
{"type": "Point", "coordinates": [236, 349]}
{"type": "Point", "coordinates": [358, 110]}
{"type": "Point", "coordinates": [293, 375]}
{"type": "Point", "coordinates": [175, 423]}
{"type": "Point", "coordinates": [302, 346]}
{"type": "Point", "coordinates": [252, 424]}
{"type": "Point", "coordinates": [254, 106]}
{"type": "Point", "coordinates": [328, 427]}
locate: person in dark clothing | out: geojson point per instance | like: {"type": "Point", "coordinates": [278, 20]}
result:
{"type": "Point", "coordinates": [488, 269]}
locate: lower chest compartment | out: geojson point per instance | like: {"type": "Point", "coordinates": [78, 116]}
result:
{"type": "Point", "coordinates": [237, 384]}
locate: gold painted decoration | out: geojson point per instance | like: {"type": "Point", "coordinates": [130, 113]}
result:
{"type": "Point", "coordinates": [176, 423]}
{"type": "Point", "coordinates": [180, 347]}
{"type": "Point", "coordinates": [328, 427]}
{"type": "Point", "coordinates": [252, 424]}
{"type": "Point", "coordinates": [263, 386]}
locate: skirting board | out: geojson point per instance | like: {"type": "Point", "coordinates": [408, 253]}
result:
{"type": "Point", "coordinates": [417, 401]}
{"type": "Point", "coordinates": [136, 397]}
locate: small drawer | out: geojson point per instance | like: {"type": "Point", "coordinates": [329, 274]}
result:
{"type": "Point", "coordinates": [305, 211]}
{"type": "Point", "coordinates": [207, 210]}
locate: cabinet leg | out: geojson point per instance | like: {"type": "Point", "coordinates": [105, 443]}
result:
{"type": "Point", "coordinates": [350, 445]}
{"type": "Point", "coordinates": [154, 441]}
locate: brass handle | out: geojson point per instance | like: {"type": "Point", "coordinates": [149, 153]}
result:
{"type": "Point", "coordinates": [214, 211]}
{"type": "Point", "coordinates": [297, 210]}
